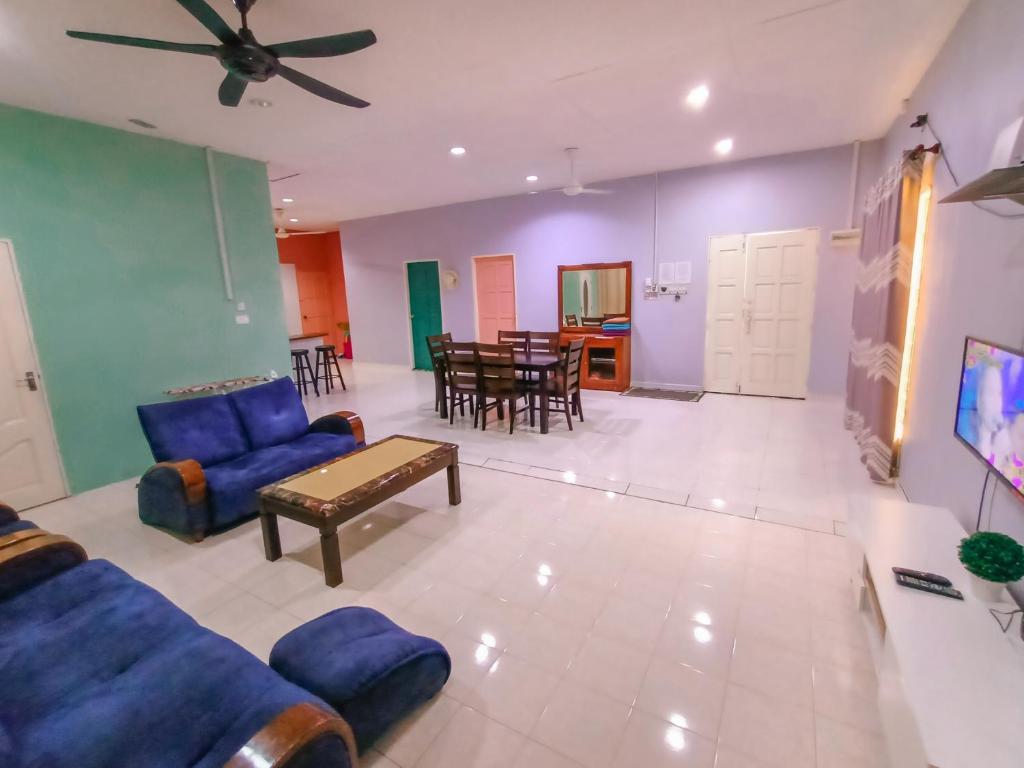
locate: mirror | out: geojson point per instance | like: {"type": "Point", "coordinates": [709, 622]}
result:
{"type": "Point", "coordinates": [588, 293]}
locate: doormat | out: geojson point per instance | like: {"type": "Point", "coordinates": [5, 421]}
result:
{"type": "Point", "coordinates": [664, 394]}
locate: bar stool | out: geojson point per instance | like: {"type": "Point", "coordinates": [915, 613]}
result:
{"type": "Point", "coordinates": [300, 366]}
{"type": "Point", "coordinates": [327, 357]}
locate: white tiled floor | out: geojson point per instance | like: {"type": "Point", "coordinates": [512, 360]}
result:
{"type": "Point", "coordinates": [609, 625]}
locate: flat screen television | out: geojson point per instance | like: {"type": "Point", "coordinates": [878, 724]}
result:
{"type": "Point", "coordinates": [990, 408]}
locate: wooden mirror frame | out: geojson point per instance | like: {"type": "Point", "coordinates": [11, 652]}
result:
{"type": "Point", "coordinates": [562, 268]}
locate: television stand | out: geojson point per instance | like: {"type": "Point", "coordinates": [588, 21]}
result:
{"type": "Point", "coordinates": [950, 683]}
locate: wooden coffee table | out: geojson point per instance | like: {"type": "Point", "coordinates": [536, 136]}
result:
{"type": "Point", "coordinates": [333, 493]}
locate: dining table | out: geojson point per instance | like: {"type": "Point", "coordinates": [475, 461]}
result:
{"type": "Point", "coordinates": [544, 364]}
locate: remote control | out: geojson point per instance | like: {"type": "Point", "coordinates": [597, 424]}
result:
{"type": "Point", "coordinates": [934, 578]}
{"type": "Point", "coordinates": [928, 586]}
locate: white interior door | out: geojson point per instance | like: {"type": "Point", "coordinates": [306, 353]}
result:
{"type": "Point", "coordinates": [723, 346]}
{"type": "Point", "coordinates": [30, 470]}
{"type": "Point", "coordinates": [760, 312]}
{"type": "Point", "coordinates": [781, 272]}
{"type": "Point", "coordinates": [290, 291]}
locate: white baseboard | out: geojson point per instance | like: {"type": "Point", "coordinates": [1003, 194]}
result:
{"type": "Point", "coordinates": [669, 387]}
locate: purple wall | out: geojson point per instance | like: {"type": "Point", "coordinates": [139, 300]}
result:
{"type": "Point", "coordinates": [808, 189]}
{"type": "Point", "coordinates": [973, 279]}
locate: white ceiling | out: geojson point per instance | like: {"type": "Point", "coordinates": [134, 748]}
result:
{"type": "Point", "coordinates": [514, 82]}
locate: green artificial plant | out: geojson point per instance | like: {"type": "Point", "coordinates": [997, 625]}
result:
{"type": "Point", "coordinates": [992, 556]}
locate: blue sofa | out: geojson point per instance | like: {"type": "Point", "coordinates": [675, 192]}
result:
{"type": "Point", "coordinates": [215, 452]}
{"type": "Point", "coordinates": [98, 670]}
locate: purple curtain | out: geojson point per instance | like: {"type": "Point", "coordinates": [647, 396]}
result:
{"type": "Point", "coordinates": [880, 315]}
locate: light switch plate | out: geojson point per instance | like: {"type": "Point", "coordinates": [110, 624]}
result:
{"type": "Point", "coordinates": [242, 319]}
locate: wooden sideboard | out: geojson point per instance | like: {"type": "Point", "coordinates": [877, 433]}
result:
{"type": "Point", "coordinates": [606, 359]}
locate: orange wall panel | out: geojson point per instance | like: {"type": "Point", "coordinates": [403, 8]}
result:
{"type": "Point", "coordinates": [320, 275]}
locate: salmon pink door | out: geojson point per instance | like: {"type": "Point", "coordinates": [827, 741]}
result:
{"type": "Point", "coordinates": [495, 296]}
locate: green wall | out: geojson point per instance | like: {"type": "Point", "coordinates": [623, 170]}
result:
{"type": "Point", "coordinates": [116, 244]}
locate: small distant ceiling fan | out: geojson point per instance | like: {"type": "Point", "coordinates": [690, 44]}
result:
{"type": "Point", "coordinates": [246, 60]}
{"type": "Point", "coordinates": [283, 234]}
{"type": "Point", "coordinates": [574, 187]}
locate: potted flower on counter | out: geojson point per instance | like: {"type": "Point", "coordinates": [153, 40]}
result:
{"type": "Point", "coordinates": [993, 560]}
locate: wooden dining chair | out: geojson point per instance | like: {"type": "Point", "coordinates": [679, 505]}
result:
{"type": "Point", "coordinates": [572, 320]}
{"type": "Point", "coordinates": [564, 387]}
{"type": "Point", "coordinates": [436, 346]}
{"type": "Point", "coordinates": [498, 383]}
{"type": "Point", "coordinates": [592, 322]}
{"type": "Point", "coordinates": [463, 370]}
{"type": "Point", "coordinates": [544, 341]}
{"type": "Point", "coordinates": [519, 340]}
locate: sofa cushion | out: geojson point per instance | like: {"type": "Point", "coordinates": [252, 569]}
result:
{"type": "Point", "coordinates": [271, 413]}
{"type": "Point", "coordinates": [232, 486]}
{"type": "Point", "coordinates": [101, 671]}
{"type": "Point", "coordinates": [368, 668]}
{"type": "Point", "coordinates": [206, 429]}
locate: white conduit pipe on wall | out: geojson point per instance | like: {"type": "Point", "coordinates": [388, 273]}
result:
{"type": "Point", "coordinates": [225, 265]}
{"type": "Point", "coordinates": [854, 170]}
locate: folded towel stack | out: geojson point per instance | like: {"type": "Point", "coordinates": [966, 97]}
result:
{"type": "Point", "coordinates": [615, 326]}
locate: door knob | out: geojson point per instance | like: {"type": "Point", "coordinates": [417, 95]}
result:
{"type": "Point", "coordinates": [29, 380]}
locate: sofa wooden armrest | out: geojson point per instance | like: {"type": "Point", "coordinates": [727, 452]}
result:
{"type": "Point", "coordinates": [193, 480]}
{"type": "Point", "coordinates": [27, 558]}
{"type": "Point", "coordinates": [341, 422]}
{"type": "Point", "coordinates": [174, 491]}
{"type": "Point", "coordinates": [284, 737]}
{"type": "Point", "coordinates": [10, 539]}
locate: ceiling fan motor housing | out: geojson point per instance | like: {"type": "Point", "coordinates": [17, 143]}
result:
{"type": "Point", "coordinates": [248, 61]}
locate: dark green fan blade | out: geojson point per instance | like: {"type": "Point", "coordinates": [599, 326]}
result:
{"type": "Point", "coordinates": [231, 91]}
{"type": "Point", "coordinates": [208, 17]}
{"type": "Point", "coordinates": [323, 90]}
{"type": "Point", "coordinates": [331, 45]}
{"type": "Point", "coordinates": [142, 42]}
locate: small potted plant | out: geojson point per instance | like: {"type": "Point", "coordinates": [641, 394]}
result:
{"type": "Point", "coordinates": [993, 560]}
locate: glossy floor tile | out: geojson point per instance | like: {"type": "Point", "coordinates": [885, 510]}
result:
{"type": "Point", "coordinates": [664, 586]}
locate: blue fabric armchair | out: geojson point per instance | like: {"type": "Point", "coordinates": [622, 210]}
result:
{"type": "Point", "coordinates": [214, 453]}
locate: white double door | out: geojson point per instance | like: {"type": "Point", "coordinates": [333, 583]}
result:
{"type": "Point", "coordinates": [30, 470]}
{"type": "Point", "coordinates": [760, 310]}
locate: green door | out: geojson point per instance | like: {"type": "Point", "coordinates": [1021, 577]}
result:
{"type": "Point", "coordinates": [424, 308]}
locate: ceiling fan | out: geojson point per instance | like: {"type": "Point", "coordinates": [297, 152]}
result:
{"type": "Point", "coordinates": [246, 60]}
{"type": "Point", "coordinates": [574, 187]}
{"type": "Point", "coordinates": [283, 234]}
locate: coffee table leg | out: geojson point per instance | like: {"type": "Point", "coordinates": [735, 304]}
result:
{"type": "Point", "coordinates": [454, 486]}
{"type": "Point", "coordinates": [330, 548]}
{"type": "Point", "coordinates": [271, 537]}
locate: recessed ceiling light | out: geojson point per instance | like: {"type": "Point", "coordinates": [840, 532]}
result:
{"type": "Point", "coordinates": [698, 97]}
{"type": "Point", "coordinates": [531, 178]}
{"type": "Point", "coordinates": [142, 123]}
{"type": "Point", "coordinates": [723, 146]}
{"type": "Point", "coordinates": [294, 221]}
{"type": "Point", "coordinates": [458, 151]}
{"type": "Point", "coordinates": [287, 200]}
{"type": "Point", "coordinates": [261, 103]}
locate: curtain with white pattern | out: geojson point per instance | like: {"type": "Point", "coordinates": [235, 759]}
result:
{"type": "Point", "coordinates": [880, 315]}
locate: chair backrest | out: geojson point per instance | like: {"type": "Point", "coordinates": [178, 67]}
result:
{"type": "Point", "coordinates": [592, 321]}
{"type": "Point", "coordinates": [573, 361]}
{"type": "Point", "coordinates": [497, 366]}
{"type": "Point", "coordinates": [463, 367]}
{"type": "Point", "coordinates": [520, 340]}
{"type": "Point", "coordinates": [572, 320]}
{"type": "Point", "coordinates": [544, 341]}
{"type": "Point", "coordinates": [436, 346]}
